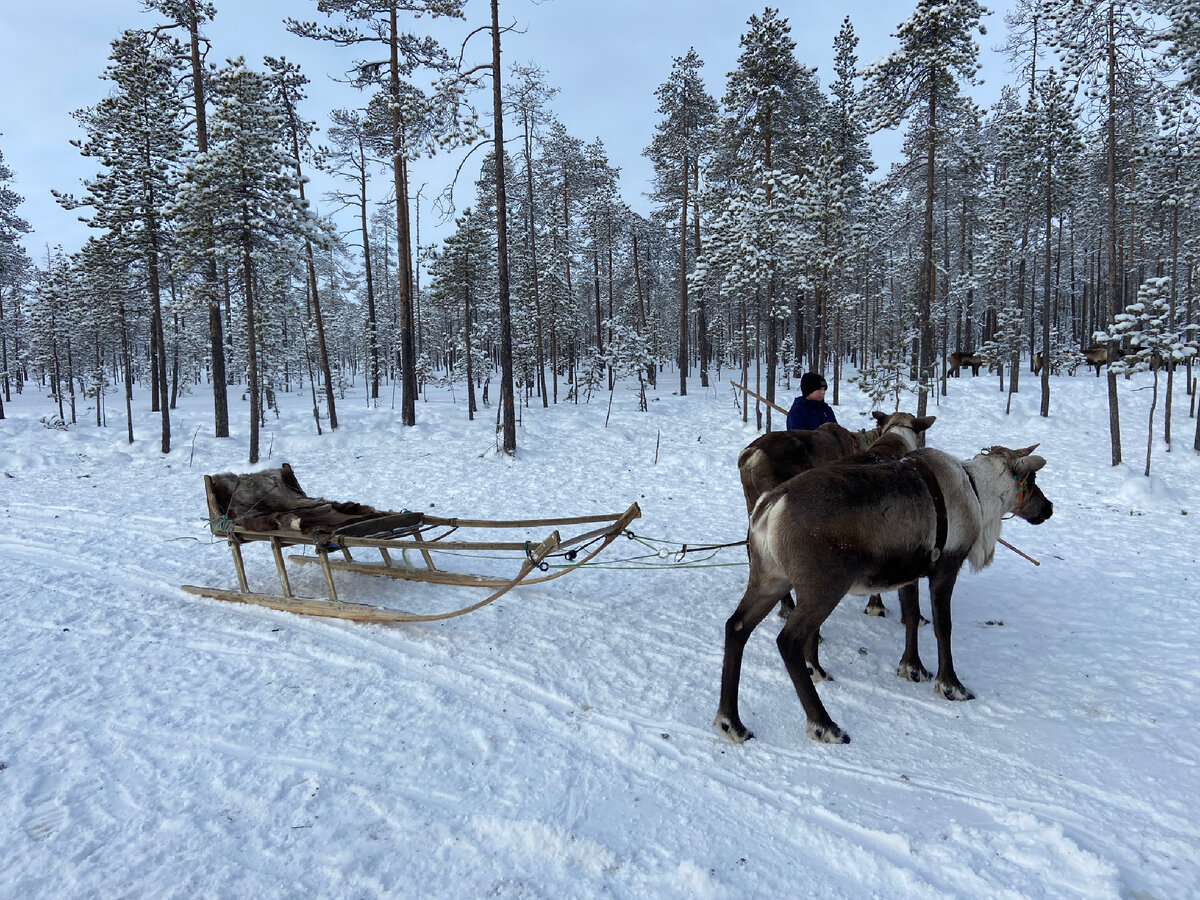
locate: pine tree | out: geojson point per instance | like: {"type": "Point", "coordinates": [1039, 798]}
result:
{"type": "Point", "coordinates": [461, 272]}
{"type": "Point", "coordinates": [528, 96]}
{"type": "Point", "coordinates": [13, 266]}
{"type": "Point", "coordinates": [348, 156]}
{"type": "Point", "coordinates": [773, 111]}
{"type": "Point", "coordinates": [288, 83]}
{"type": "Point", "coordinates": [1183, 33]}
{"type": "Point", "coordinates": [135, 132]}
{"type": "Point", "coordinates": [190, 17]}
{"type": "Point", "coordinates": [1057, 148]}
{"type": "Point", "coordinates": [937, 51]}
{"type": "Point", "coordinates": [376, 22]}
{"type": "Point", "coordinates": [681, 139]}
{"type": "Point", "coordinates": [246, 186]}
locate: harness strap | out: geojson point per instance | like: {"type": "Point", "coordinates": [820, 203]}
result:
{"type": "Point", "coordinates": [939, 500]}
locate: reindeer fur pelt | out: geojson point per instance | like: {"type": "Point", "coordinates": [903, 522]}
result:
{"type": "Point", "coordinates": [272, 500]}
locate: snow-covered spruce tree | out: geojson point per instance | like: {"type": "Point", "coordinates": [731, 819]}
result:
{"type": "Point", "coordinates": [626, 354]}
{"type": "Point", "coordinates": [1183, 33]}
{"type": "Point", "coordinates": [848, 136]}
{"type": "Point", "coordinates": [462, 267]}
{"type": "Point", "coordinates": [597, 212]}
{"type": "Point", "coordinates": [1153, 338]}
{"type": "Point", "coordinates": [773, 109]}
{"type": "Point", "coordinates": [937, 50]}
{"type": "Point", "coordinates": [564, 184]}
{"type": "Point", "coordinates": [136, 133]}
{"type": "Point", "coordinates": [527, 98]}
{"type": "Point", "coordinates": [14, 266]}
{"type": "Point", "coordinates": [759, 237]}
{"type": "Point", "coordinates": [884, 378]}
{"type": "Point", "coordinates": [682, 138]}
{"type": "Point", "coordinates": [824, 199]}
{"type": "Point", "coordinates": [1056, 150]}
{"type": "Point", "coordinates": [246, 186]}
{"type": "Point", "coordinates": [49, 348]}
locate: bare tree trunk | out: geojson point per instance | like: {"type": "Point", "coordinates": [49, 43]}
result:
{"type": "Point", "coordinates": [408, 362]}
{"type": "Point", "coordinates": [216, 329]}
{"type": "Point", "coordinates": [251, 343]}
{"type": "Point", "coordinates": [506, 363]}
{"type": "Point", "coordinates": [683, 292]}
{"type": "Point", "coordinates": [1114, 413]}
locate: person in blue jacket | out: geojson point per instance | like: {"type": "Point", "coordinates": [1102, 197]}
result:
{"type": "Point", "coordinates": [810, 411]}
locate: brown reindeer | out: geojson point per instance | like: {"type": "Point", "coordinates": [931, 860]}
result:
{"type": "Point", "coordinates": [858, 527]}
{"type": "Point", "coordinates": [771, 459]}
{"type": "Point", "coordinates": [957, 360]}
{"type": "Point", "coordinates": [1097, 355]}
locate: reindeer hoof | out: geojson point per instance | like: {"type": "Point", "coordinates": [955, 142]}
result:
{"type": "Point", "coordinates": [817, 674]}
{"type": "Point", "coordinates": [828, 734]}
{"type": "Point", "coordinates": [914, 673]}
{"type": "Point", "coordinates": [875, 607]}
{"type": "Point", "coordinates": [953, 691]}
{"type": "Point", "coordinates": [734, 732]}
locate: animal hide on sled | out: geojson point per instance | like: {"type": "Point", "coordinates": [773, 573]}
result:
{"type": "Point", "coordinates": [272, 500]}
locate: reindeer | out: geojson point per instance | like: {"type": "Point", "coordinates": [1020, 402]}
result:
{"type": "Point", "coordinates": [861, 526]}
{"type": "Point", "coordinates": [1097, 355]}
{"type": "Point", "coordinates": [771, 459]}
{"type": "Point", "coordinates": [958, 360]}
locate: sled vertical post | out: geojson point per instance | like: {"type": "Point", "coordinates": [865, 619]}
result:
{"type": "Point", "coordinates": [324, 557]}
{"type": "Point", "coordinates": [235, 547]}
{"type": "Point", "coordinates": [279, 567]}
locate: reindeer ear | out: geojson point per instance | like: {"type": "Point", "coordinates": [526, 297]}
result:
{"type": "Point", "coordinates": [923, 422]}
{"type": "Point", "coordinates": [880, 417]}
{"type": "Point", "coordinates": [1026, 465]}
{"type": "Point", "coordinates": [1017, 454]}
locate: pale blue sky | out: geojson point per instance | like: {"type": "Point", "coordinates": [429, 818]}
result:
{"type": "Point", "coordinates": [606, 56]}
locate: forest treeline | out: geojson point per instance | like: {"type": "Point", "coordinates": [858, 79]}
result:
{"type": "Point", "coordinates": [1061, 220]}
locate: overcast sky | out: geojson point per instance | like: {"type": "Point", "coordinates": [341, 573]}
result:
{"type": "Point", "coordinates": [607, 57]}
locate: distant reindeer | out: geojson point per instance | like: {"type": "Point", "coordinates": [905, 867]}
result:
{"type": "Point", "coordinates": [957, 360]}
{"type": "Point", "coordinates": [771, 459]}
{"type": "Point", "coordinates": [859, 527]}
{"type": "Point", "coordinates": [1097, 355]}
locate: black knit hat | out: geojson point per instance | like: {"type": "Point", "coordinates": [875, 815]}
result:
{"type": "Point", "coordinates": [810, 382]}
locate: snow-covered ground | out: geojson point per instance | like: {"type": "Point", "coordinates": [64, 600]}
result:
{"type": "Point", "coordinates": [558, 742]}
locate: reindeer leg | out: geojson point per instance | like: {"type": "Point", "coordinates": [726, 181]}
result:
{"type": "Point", "coordinates": [910, 667]}
{"type": "Point", "coordinates": [753, 608]}
{"type": "Point", "coordinates": [875, 606]}
{"type": "Point", "coordinates": [797, 639]}
{"type": "Point", "coordinates": [941, 586]}
{"type": "Point", "coordinates": [786, 605]}
{"type": "Point", "coordinates": [815, 672]}
{"type": "Point", "coordinates": [913, 609]}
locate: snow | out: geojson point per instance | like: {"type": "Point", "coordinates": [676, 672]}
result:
{"type": "Point", "coordinates": [558, 742]}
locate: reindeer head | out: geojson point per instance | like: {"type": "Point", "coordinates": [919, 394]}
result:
{"type": "Point", "coordinates": [899, 431]}
{"type": "Point", "coordinates": [1030, 504]}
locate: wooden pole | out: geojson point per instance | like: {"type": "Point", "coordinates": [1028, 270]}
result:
{"type": "Point", "coordinates": [759, 396]}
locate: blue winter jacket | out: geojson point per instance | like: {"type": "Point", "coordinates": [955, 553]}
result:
{"type": "Point", "coordinates": [806, 414]}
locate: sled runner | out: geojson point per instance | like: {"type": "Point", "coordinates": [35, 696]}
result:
{"type": "Point", "coordinates": [271, 507]}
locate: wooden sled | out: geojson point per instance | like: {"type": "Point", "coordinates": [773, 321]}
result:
{"type": "Point", "coordinates": [326, 528]}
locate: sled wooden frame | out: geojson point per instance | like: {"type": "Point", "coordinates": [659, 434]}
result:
{"type": "Point", "coordinates": [400, 533]}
